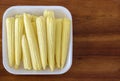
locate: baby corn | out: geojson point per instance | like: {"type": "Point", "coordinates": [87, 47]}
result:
{"type": "Point", "coordinates": [10, 28]}
{"type": "Point", "coordinates": [51, 41]}
{"type": "Point", "coordinates": [18, 37]}
{"type": "Point", "coordinates": [32, 42]}
{"type": "Point", "coordinates": [65, 40]}
{"type": "Point", "coordinates": [58, 41]}
{"type": "Point", "coordinates": [41, 32]}
{"type": "Point", "coordinates": [26, 54]}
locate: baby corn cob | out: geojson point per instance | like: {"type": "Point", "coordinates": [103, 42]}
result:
{"type": "Point", "coordinates": [65, 40]}
{"type": "Point", "coordinates": [10, 28]}
{"type": "Point", "coordinates": [40, 22]}
{"type": "Point", "coordinates": [32, 42]}
{"type": "Point", "coordinates": [48, 13]}
{"type": "Point", "coordinates": [58, 41]}
{"type": "Point", "coordinates": [19, 25]}
{"type": "Point", "coordinates": [51, 41]}
{"type": "Point", "coordinates": [26, 54]}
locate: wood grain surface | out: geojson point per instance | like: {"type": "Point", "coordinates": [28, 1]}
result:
{"type": "Point", "coordinates": [96, 40]}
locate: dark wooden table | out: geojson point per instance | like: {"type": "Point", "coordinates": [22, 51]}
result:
{"type": "Point", "coordinates": [96, 49]}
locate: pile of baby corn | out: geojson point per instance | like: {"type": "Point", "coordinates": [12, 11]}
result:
{"type": "Point", "coordinates": [37, 41]}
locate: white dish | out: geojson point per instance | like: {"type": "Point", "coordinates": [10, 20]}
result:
{"type": "Point", "coordinates": [36, 10]}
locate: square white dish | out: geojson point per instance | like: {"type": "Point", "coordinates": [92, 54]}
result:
{"type": "Point", "coordinates": [60, 11]}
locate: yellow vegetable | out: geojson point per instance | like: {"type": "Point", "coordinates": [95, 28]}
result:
{"type": "Point", "coordinates": [19, 25]}
{"type": "Point", "coordinates": [10, 28]}
{"type": "Point", "coordinates": [32, 42]}
{"type": "Point", "coordinates": [41, 32]}
{"type": "Point", "coordinates": [51, 41]}
{"type": "Point", "coordinates": [58, 41]}
{"type": "Point", "coordinates": [65, 40]}
{"type": "Point", "coordinates": [26, 54]}
{"type": "Point", "coordinates": [48, 13]}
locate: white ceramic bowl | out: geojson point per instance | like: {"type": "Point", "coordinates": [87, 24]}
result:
{"type": "Point", "coordinates": [60, 11]}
